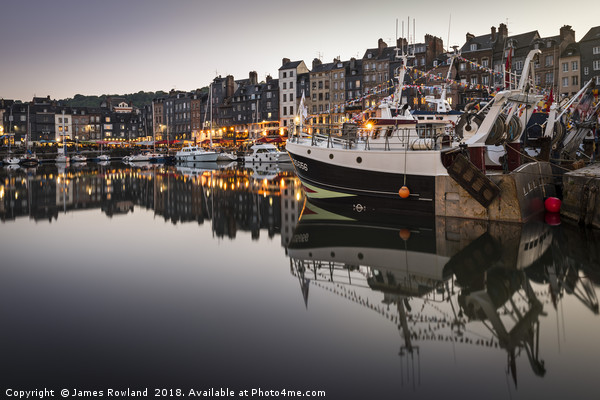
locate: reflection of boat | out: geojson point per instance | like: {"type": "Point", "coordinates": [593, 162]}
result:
{"type": "Point", "coordinates": [473, 268]}
{"type": "Point", "coordinates": [191, 169]}
{"type": "Point", "coordinates": [269, 171]}
{"type": "Point", "coordinates": [266, 153]}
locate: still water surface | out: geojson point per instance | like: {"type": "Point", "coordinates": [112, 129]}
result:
{"type": "Point", "coordinates": [116, 277]}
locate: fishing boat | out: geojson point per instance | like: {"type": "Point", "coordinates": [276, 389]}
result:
{"type": "Point", "coordinates": [395, 162]}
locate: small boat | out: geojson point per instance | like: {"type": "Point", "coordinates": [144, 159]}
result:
{"type": "Point", "coordinates": [29, 160]}
{"type": "Point", "coordinates": [78, 158]}
{"type": "Point", "coordinates": [266, 153]}
{"type": "Point", "coordinates": [195, 154]}
{"type": "Point", "coordinates": [226, 156]}
{"type": "Point", "coordinates": [141, 157]}
{"type": "Point", "coordinates": [102, 158]}
{"type": "Point", "coordinates": [11, 160]}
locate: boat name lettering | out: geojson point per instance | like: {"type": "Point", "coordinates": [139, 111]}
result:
{"type": "Point", "coordinates": [301, 165]}
{"type": "Point", "coordinates": [300, 238]}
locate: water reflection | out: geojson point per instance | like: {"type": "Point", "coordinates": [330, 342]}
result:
{"type": "Point", "coordinates": [471, 287]}
{"type": "Point", "coordinates": [231, 197]}
{"type": "Point", "coordinates": [484, 284]}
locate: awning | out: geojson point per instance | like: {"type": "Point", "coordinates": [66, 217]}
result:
{"type": "Point", "coordinates": [170, 142]}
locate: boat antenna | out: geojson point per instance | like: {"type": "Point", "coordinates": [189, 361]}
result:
{"type": "Point", "coordinates": [402, 37]}
{"type": "Point", "coordinates": [449, 22]}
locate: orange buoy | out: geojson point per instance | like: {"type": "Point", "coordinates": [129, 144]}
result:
{"type": "Point", "coordinates": [404, 192]}
{"type": "Point", "coordinates": [404, 234]}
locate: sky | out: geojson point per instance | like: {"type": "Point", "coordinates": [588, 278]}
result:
{"type": "Point", "coordinates": [60, 48]}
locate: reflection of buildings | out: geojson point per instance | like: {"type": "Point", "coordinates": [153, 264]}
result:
{"type": "Point", "coordinates": [232, 198]}
{"type": "Point", "coordinates": [446, 280]}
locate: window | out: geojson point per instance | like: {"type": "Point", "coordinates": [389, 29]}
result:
{"type": "Point", "coordinates": [574, 65]}
{"type": "Point", "coordinates": [549, 61]}
{"type": "Point", "coordinates": [284, 85]}
{"type": "Point", "coordinates": [485, 62]}
{"type": "Point", "coordinates": [565, 67]}
{"type": "Point", "coordinates": [575, 80]}
{"type": "Point", "coordinates": [586, 71]}
{"type": "Point", "coordinates": [291, 85]}
{"type": "Point", "coordinates": [474, 80]}
{"type": "Point", "coordinates": [473, 47]}
{"type": "Point", "coordinates": [565, 82]}
{"type": "Point", "coordinates": [285, 74]}
{"type": "Point", "coordinates": [596, 65]}
{"type": "Point", "coordinates": [596, 50]}
{"type": "Point", "coordinates": [291, 74]}
{"type": "Point", "coordinates": [519, 65]}
{"type": "Point", "coordinates": [462, 66]}
{"type": "Point", "coordinates": [549, 78]}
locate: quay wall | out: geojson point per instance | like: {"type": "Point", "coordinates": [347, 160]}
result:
{"type": "Point", "coordinates": [581, 200]}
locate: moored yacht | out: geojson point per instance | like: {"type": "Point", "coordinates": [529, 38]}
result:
{"type": "Point", "coordinates": [195, 154]}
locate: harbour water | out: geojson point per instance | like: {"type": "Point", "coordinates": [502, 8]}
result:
{"type": "Point", "coordinates": [212, 278]}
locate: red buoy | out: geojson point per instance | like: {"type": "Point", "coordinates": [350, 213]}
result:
{"type": "Point", "coordinates": [404, 192]}
{"type": "Point", "coordinates": [552, 204]}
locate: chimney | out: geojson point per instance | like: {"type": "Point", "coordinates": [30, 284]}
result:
{"type": "Point", "coordinates": [285, 61]}
{"type": "Point", "coordinates": [503, 30]}
{"type": "Point", "coordinates": [381, 45]}
{"type": "Point", "coordinates": [316, 62]}
{"type": "Point", "coordinates": [493, 33]}
{"type": "Point", "coordinates": [401, 42]}
{"type": "Point", "coordinates": [566, 32]}
{"type": "Point", "coordinates": [470, 36]}
{"type": "Point", "coordinates": [229, 86]}
{"type": "Point", "coordinates": [253, 78]}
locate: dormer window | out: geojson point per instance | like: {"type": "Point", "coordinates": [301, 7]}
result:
{"type": "Point", "coordinates": [473, 47]}
{"type": "Point", "coordinates": [369, 55]}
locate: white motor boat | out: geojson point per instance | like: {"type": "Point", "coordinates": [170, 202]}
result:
{"type": "Point", "coordinates": [266, 153]}
{"type": "Point", "coordinates": [196, 154]}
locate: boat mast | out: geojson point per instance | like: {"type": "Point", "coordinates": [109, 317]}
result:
{"type": "Point", "coordinates": [211, 117]}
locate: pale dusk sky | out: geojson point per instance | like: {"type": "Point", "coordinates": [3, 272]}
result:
{"type": "Point", "coordinates": [64, 47]}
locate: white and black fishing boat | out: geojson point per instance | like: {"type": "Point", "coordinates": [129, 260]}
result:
{"type": "Point", "coordinates": [396, 163]}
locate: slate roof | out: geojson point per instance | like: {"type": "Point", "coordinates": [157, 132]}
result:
{"type": "Point", "coordinates": [483, 42]}
{"type": "Point", "coordinates": [592, 34]}
{"type": "Point", "coordinates": [290, 65]}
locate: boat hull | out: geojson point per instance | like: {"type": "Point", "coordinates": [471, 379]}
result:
{"type": "Point", "coordinates": [335, 177]}
{"type": "Point", "coordinates": [198, 157]}
{"type": "Point", "coordinates": [361, 190]}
